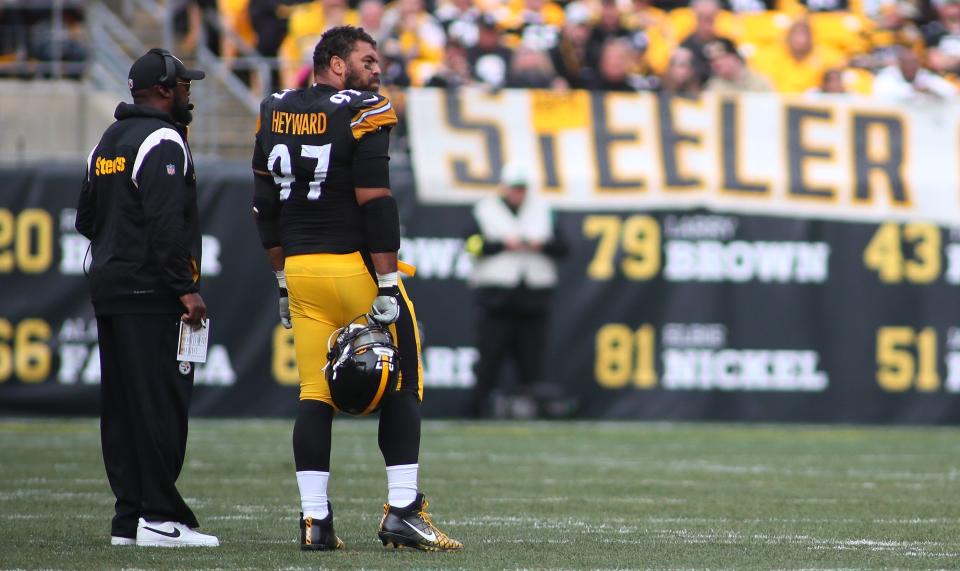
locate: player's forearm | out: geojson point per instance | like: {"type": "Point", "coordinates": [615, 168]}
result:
{"type": "Point", "coordinates": [384, 262]}
{"type": "Point", "coordinates": [275, 256]}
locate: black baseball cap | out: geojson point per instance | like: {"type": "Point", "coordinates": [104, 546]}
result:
{"type": "Point", "coordinates": [151, 69]}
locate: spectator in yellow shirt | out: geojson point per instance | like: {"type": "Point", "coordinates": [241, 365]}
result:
{"type": "Point", "coordinates": [643, 14]}
{"type": "Point", "coordinates": [895, 26]}
{"type": "Point", "coordinates": [537, 24]}
{"type": "Point", "coordinates": [646, 18]}
{"type": "Point", "coordinates": [305, 25]}
{"type": "Point", "coordinates": [799, 65]}
{"type": "Point", "coordinates": [415, 37]}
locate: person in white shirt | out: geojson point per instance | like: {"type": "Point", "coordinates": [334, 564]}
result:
{"type": "Point", "coordinates": [907, 79]}
{"type": "Point", "coordinates": [516, 244]}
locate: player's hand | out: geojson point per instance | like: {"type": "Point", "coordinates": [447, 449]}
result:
{"type": "Point", "coordinates": [196, 309]}
{"type": "Point", "coordinates": [386, 309]}
{"type": "Point", "coordinates": [283, 305]}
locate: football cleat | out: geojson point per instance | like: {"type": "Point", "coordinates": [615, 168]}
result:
{"type": "Point", "coordinates": [412, 527]}
{"type": "Point", "coordinates": [318, 534]}
{"type": "Point", "coordinates": [172, 534]}
{"type": "Point", "coordinates": [119, 540]}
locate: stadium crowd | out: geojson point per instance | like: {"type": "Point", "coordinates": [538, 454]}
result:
{"type": "Point", "coordinates": [885, 47]}
{"type": "Point", "coordinates": [35, 35]}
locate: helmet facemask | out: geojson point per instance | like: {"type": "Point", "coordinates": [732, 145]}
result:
{"type": "Point", "coordinates": [363, 365]}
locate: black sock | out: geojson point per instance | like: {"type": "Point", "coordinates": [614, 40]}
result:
{"type": "Point", "coordinates": [311, 436]}
{"type": "Point", "coordinates": [399, 435]}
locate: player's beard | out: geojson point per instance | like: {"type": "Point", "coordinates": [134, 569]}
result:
{"type": "Point", "coordinates": [181, 111]}
{"type": "Point", "coordinates": [354, 80]}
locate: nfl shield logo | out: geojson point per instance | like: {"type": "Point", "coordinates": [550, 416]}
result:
{"type": "Point", "coordinates": [171, 169]}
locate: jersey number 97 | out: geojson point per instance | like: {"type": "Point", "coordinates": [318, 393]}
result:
{"type": "Point", "coordinates": [283, 172]}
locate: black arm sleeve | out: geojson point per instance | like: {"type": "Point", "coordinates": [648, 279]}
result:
{"type": "Point", "coordinates": [164, 202]}
{"type": "Point", "coordinates": [259, 160]}
{"type": "Point", "coordinates": [381, 223]}
{"type": "Point", "coordinates": [371, 160]}
{"type": "Point", "coordinates": [266, 209]}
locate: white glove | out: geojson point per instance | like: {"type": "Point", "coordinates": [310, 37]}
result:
{"type": "Point", "coordinates": [284, 303]}
{"type": "Point", "coordinates": [385, 309]}
{"type": "Point", "coordinates": [284, 307]}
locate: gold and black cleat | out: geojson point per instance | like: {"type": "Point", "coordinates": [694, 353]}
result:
{"type": "Point", "coordinates": [412, 527]}
{"type": "Point", "coordinates": [318, 534]}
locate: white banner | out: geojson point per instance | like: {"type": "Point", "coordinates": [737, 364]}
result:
{"type": "Point", "coordinates": [822, 158]}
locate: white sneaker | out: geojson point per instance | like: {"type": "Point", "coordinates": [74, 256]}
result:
{"type": "Point", "coordinates": [172, 534]}
{"type": "Point", "coordinates": [117, 540]}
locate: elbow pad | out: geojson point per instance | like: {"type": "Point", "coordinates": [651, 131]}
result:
{"type": "Point", "coordinates": [381, 223]}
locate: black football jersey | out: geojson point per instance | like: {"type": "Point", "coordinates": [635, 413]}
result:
{"type": "Point", "coordinates": [320, 144]}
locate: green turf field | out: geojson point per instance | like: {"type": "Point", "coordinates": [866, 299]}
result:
{"type": "Point", "coordinates": [519, 495]}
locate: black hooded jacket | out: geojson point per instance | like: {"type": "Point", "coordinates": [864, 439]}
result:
{"type": "Point", "coordinates": [138, 206]}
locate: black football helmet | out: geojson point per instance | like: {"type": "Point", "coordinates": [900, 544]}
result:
{"type": "Point", "coordinates": [362, 365]}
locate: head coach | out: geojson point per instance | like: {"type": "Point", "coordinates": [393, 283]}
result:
{"type": "Point", "coordinates": [138, 207]}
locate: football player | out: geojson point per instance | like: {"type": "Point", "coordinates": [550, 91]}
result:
{"type": "Point", "coordinates": [331, 230]}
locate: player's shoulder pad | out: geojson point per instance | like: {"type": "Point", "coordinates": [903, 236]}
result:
{"type": "Point", "coordinates": [274, 99]}
{"type": "Point", "coordinates": [360, 100]}
{"type": "Point", "coordinates": [268, 103]}
{"type": "Point", "coordinates": [371, 112]}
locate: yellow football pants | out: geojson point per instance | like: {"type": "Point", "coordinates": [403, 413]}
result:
{"type": "Point", "coordinates": [327, 291]}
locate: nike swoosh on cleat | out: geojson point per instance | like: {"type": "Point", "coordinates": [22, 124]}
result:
{"type": "Point", "coordinates": [174, 533]}
{"type": "Point", "coordinates": [431, 537]}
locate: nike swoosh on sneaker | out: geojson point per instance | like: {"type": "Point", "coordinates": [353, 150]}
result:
{"type": "Point", "coordinates": [172, 534]}
{"type": "Point", "coordinates": [431, 537]}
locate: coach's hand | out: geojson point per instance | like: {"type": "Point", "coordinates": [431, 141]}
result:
{"type": "Point", "coordinates": [196, 309]}
{"type": "Point", "coordinates": [284, 304]}
{"type": "Point", "coordinates": [386, 309]}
